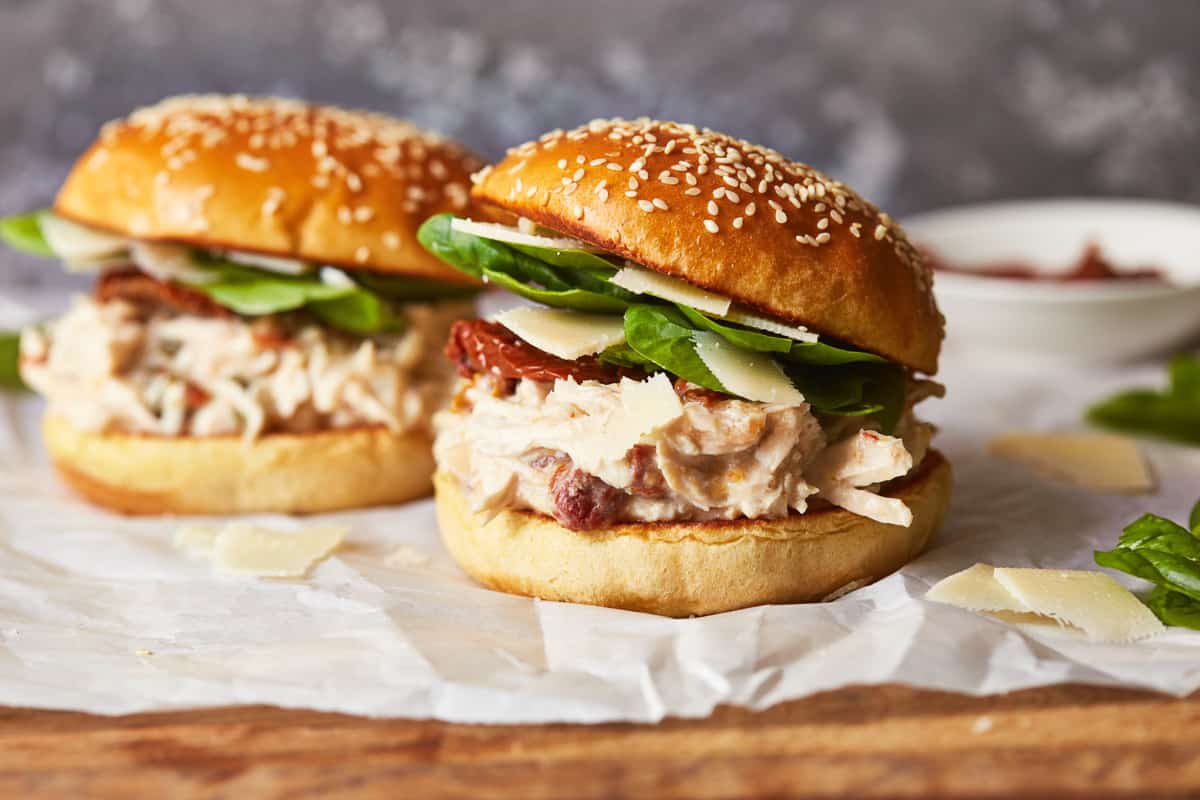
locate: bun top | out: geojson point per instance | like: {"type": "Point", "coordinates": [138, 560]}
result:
{"type": "Point", "coordinates": [273, 176]}
{"type": "Point", "coordinates": [734, 218]}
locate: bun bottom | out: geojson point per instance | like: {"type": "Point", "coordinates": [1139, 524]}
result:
{"type": "Point", "coordinates": [287, 473]}
{"type": "Point", "coordinates": [691, 568]}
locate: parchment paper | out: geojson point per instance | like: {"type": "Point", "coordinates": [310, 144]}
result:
{"type": "Point", "coordinates": [101, 613]}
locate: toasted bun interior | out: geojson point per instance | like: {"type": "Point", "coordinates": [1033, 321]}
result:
{"type": "Point", "coordinates": [286, 473]}
{"type": "Point", "coordinates": [680, 569]}
{"type": "Point", "coordinates": [735, 218]}
{"type": "Point", "coordinates": [273, 176]}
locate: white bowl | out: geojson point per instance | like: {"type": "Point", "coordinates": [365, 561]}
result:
{"type": "Point", "coordinates": [1081, 322]}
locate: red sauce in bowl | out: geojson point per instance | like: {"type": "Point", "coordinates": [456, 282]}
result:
{"type": "Point", "coordinates": [1091, 266]}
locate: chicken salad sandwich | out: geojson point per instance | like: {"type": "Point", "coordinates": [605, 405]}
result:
{"type": "Point", "coordinates": [264, 329]}
{"type": "Point", "coordinates": [711, 405]}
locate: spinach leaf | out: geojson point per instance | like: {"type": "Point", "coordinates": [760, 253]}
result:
{"type": "Point", "coordinates": [406, 287]}
{"type": "Point", "coordinates": [10, 353]}
{"type": "Point", "coordinates": [358, 312]}
{"type": "Point", "coordinates": [1157, 550]}
{"type": "Point", "coordinates": [1174, 608]}
{"type": "Point", "coordinates": [622, 355]}
{"type": "Point", "coordinates": [23, 232]}
{"type": "Point", "coordinates": [1170, 414]}
{"type": "Point", "coordinates": [529, 277]}
{"type": "Point", "coordinates": [751, 340]}
{"type": "Point", "coordinates": [662, 336]}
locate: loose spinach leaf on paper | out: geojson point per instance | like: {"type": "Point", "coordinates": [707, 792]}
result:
{"type": "Point", "coordinates": [1170, 414]}
{"type": "Point", "coordinates": [662, 335]}
{"type": "Point", "coordinates": [1174, 608]}
{"type": "Point", "coordinates": [23, 232]}
{"type": "Point", "coordinates": [1157, 550]}
{"type": "Point", "coordinates": [518, 272]}
{"type": "Point", "coordinates": [10, 352]}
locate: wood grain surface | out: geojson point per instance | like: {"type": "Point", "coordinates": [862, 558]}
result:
{"type": "Point", "coordinates": [865, 742]}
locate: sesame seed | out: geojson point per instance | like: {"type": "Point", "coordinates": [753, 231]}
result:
{"type": "Point", "coordinates": [780, 217]}
{"type": "Point", "coordinates": [669, 180]}
{"type": "Point", "coordinates": [750, 209]}
{"type": "Point", "coordinates": [823, 237]}
{"type": "Point", "coordinates": [603, 193]}
{"type": "Point", "coordinates": [732, 196]}
{"type": "Point", "coordinates": [712, 208]}
{"type": "Point", "coordinates": [690, 178]}
{"type": "Point", "coordinates": [362, 254]}
{"type": "Point", "coordinates": [391, 239]}
{"type": "Point", "coordinates": [579, 159]}
{"type": "Point", "coordinates": [737, 222]}
{"type": "Point", "coordinates": [822, 224]}
{"type": "Point", "coordinates": [711, 226]}
{"type": "Point", "coordinates": [251, 163]}
{"type": "Point", "coordinates": [531, 191]}
{"type": "Point", "coordinates": [614, 166]}
{"type": "Point", "coordinates": [631, 193]}
{"type": "Point", "coordinates": [633, 182]}
{"type": "Point", "coordinates": [660, 203]}
{"type": "Point", "coordinates": [578, 176]}
{"type": "Point", "coordinates": [578, 212]}
{"type": "Point", "coordinates": [344, 215]}
{"type": "Point", "coordinates": [363, 213]}
{"type": "Point", "coordinates": [855, 227]}
{"type": "Point", "coordinates": [880, 231]}
{"type": "Point", "coordinates": [562, 163]}
{"type": "Point", "coordinates": [836, 216]}
{"type": "Point", "coordinates": [597, 162]}
{"type": "Point", "coordinates": [645, 205]}
{"type": "Point", "coordinates": [695, 190]}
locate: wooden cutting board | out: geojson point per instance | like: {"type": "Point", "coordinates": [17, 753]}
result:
{"type": "Point", "coordinates": [861, 742]}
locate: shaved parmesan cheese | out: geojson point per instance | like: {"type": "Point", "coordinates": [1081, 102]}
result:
{"type": "Point", "coordinates": [1099, 461]}
{"type": "Point", "coordinates": [976, 589]}
{"type": "Point", "coordinates": [1091, 601]}
{"type": "Point", "coordinates": [888, 510]}
{"type": "Point", "coordinates": [644, 281]}
{"type": "Point", "coordinates": [332, 276]}
{"type": "Point", "coordinates": [245, 548]}
{"type": "Point", "coordinates": [562, 333]}
{"type": "Point", "coordinates": [510, 235]}
{"type": "Point", "coordinates": [196, 540]}
{"type": "Point", "coordinates": [754, 376]}
{"type": "Point", "coordinates": [284, 266]}
{"type": "Point", "coordinates": [751, 320]}
{"type": "Point", "coordinates": [79, 245]}
{"type": "Point", "coordinates": [169, 262]}
{"type": "Point", "coordinates": [646, 406]}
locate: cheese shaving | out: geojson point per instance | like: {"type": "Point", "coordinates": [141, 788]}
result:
{"type": "Point", "coordinates": [562, 333]}
{"type": "Point", "coordinates": [1099, 461]}
{"type": "Point", "coordinates": [252, 550]}
{"type": "Point", "coordinates": [1089, 601]}
{"type": "Point", "coordinates": [644, 281]}
{"type": "Point", "coordinates": [748, 374]}
{"type": "Point", "coordinates": [752, 320]}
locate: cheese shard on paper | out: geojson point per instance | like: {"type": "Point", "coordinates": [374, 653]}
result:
{"type": "Point", "coordinates": [250, 549]}
{"type": "Point", "coordinates": [1102, 462]}
{"type": "Point", "coordinates": [196, 540]}
{"type": "Point", "coordinates": [566, 334]}
{"type": "Point", "coordinates": [1091, 601]}
{"type": "Point", "coordinates": [748, 374]}
{"type": "Point", "coordinates": [640, 280]}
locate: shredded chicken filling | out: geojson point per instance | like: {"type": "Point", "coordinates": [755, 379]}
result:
{"type": "Point", "coordinates": [721, 458]}
{"type": "Point", "coordinates": [108, 366]}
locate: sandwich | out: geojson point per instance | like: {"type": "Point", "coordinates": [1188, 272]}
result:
{"type": "Point", "coordinates": [264, 330]}
{"type": "Point", "coordinates": [708, 403]}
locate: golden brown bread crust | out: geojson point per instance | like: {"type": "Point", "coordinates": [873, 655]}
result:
{"type": "Point", "coordinates": [734, 218]}
{"type": "Point", "coordinates": [286, 473]}
{"type": "Point", "coordinates": [273, 176]}
{"type": "Point", "coordinates": [680, 569]}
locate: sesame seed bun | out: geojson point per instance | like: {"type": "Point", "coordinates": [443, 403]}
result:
{"type": "Point", "coordinates": [680, 569]}
{"type": "Point", "coordinates": [272, 176]}
{"type": "Point", "coordinates": [734, 218]}
{"type": "Point", "coordinates": [286, 473]}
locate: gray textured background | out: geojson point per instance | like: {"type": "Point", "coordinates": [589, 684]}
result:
{"type": "Point", "coordinates": [917, 103]}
